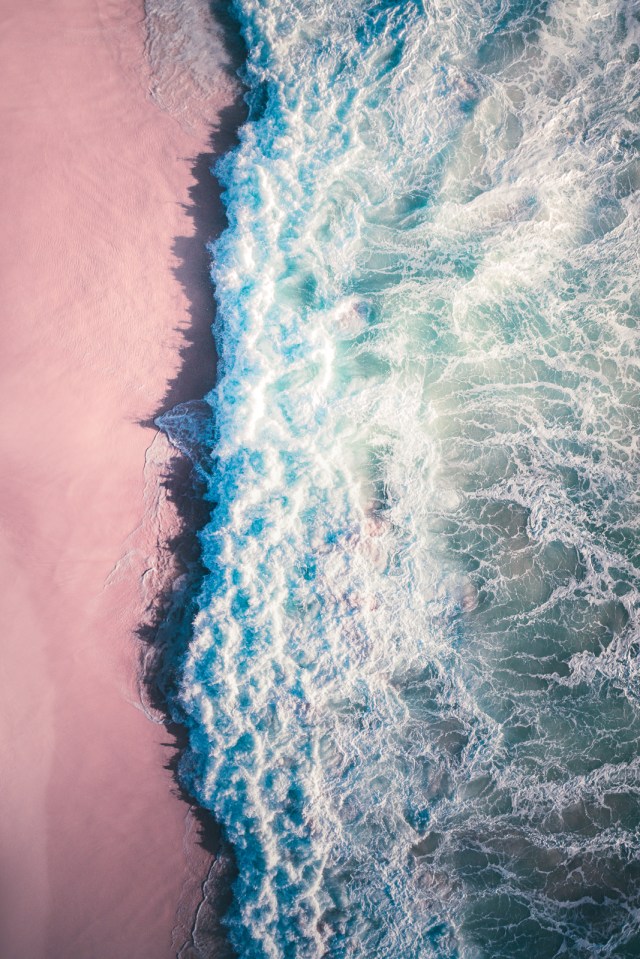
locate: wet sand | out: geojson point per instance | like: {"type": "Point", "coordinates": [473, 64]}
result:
{"type": "Point", "coordinates": [105, 321]}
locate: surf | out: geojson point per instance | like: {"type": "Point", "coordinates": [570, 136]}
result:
{"type": "Point", "coordinates": [412, 682]}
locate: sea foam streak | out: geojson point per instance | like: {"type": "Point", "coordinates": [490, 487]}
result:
{"type": "Point", "coordinates": [413, 682]}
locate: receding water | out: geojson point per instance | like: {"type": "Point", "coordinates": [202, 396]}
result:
{"type": "Point", "coordinates": [413, 686]}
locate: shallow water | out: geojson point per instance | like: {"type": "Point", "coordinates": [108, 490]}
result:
{"type": "Point", "coordinates": [413, 684]}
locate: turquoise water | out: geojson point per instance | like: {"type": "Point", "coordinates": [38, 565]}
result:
{"type": "Point", "coordinates": [413, 686]}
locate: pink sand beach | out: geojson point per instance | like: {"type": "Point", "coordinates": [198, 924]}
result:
{"type": "Point", "coordinates": [101, 310]}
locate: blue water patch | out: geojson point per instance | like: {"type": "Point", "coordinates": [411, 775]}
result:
{"type": "Point", "coordinates": [412, 685]}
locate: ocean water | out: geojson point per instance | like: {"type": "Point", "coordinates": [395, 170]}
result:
{"type": "Point", "coordinates": [189, 60]}
{"type": "Point", "coordinates": [413, 684]}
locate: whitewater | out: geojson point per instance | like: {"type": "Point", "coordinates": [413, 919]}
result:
{"type": "Point", "coordinates": [412, 686]}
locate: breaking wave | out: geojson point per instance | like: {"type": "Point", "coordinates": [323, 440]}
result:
{"type": "Point", "coordinates": [413, 684]}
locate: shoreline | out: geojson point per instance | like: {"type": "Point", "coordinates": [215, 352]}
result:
{"type": "Point", "coordinates": [107, 319]}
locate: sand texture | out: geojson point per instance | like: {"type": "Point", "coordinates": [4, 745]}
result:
{"type": "Point", "coordinates": [105, 313]}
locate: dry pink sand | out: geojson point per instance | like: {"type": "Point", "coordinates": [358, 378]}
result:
{"type": "Point", "coordinates": [94, 180]}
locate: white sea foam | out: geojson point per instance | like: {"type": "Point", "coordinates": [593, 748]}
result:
{"type": "Point", "coordinates": [412, 686]}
